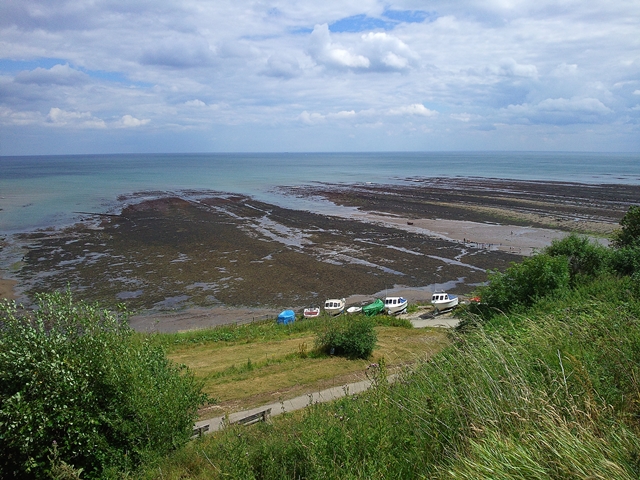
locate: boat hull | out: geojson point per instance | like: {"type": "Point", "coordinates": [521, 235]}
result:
{"type": "Point", "coordinates": [395, 305]}
{"type": "Point", "coordinates": [334, 306]}
{"type": "Point", "coordinates": [311, 312]}
{"type": "Point", "coordinates": [444, 301]}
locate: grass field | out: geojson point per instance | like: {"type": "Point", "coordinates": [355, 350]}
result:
{"type": "Point", "coordinates": [267, 362]}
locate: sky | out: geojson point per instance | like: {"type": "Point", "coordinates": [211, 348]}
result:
{"type": "Point", "coordinates": [147, 76]}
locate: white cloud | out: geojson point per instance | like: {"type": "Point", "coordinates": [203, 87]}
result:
{"type": "Point", "coordinates": [327, 53]}
{"type": "Point", "coordinates": [195, 103]}
{"type": "Point", "coordinates": [509, 67]}
{"type": "Point", "coordinates": [311, 118]}
{"type": "Point", "coordinates": [387, 51]}
{"type": "Point", "coordinates": [127, 121]}
{"type": "Point", "coordinates": [415, 109]}
{"type": "Point", "coordinates": [10, 117]}
{"type": "Point", "coordinates": [636, 92]}
{"type": "Point", "coordinates": [282, 66]}
{"type": "Point", "coordinates": [61, 118]}
{"type": "Point", "coordinates": [56, 75]}
{"type": "Point", "coordinates": [559, 111]}
{"type": "Point", "coordinates": [565, 70]}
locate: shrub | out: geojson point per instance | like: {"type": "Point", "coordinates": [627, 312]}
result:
{"type": "Point", "coordinates": [523, 283]}
{"type": "Point", "coordinates": [78, 386]}
{"type": "Point", "coordinates": [625, 260]}
{"type": "Point", "coordinates": [585, 257]}
{"type": "Point", "coordinates": [355, 338]}
{"type": "Point", "coordinates": [629, 234]}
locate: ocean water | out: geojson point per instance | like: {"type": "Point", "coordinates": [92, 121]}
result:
{"type": "Point", "coordinates": [48, 191]}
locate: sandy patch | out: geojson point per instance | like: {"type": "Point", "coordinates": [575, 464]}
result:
{"type": "Point", "coordinates": [6, 289]}
{"type": "Point", "coordinates": [508, 238]}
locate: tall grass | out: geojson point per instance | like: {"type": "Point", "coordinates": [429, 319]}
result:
{"type": "Point", "coordinates": [549, 393]}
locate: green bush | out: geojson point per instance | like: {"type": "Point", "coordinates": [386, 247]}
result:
{"type": "Point", "coordinates": [78, 386]}
{"type": "Point", "coordinates": [625, 260]}
{"type": "Point", "coordinates": [353, 338]}
{"type": "Point", "coordinates": [523, 283]}
{"type": "Point", "coordinates": [629, 234]}
{"type": "Point", "coordinates": [585, 257]}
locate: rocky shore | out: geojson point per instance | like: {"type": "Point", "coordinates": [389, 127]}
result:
{"type": "Point", "coordinates": [229, 257]}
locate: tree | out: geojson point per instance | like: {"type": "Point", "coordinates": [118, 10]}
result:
{"type": "Point", "coordinates": [78, 385]}
{"type": "Point", "coordinates": [629, 234]}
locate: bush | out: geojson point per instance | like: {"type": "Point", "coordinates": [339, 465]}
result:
{"type": "Point", "coordinates": [355, 338]}
{"type": "Point", "coordinates": [523, 283]}
{"type": "Point", "coordinates": [585, 257]}
{"type": "Point", "coordinates": [625, 260]}
{"type": "Point", "coordinates": [77, 385]}
{"type": "Point", "coordinates": [629, 234]}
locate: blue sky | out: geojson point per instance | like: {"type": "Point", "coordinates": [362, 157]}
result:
{"type": "Point", "coordinates": [112, 76]}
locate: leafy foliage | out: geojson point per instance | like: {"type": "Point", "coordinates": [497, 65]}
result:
{"type": "Point", "coordinates": [629, 234]}
{"type": "Point", "coordinates": [74, 379]}
{"type": "Point", "coordinates": [586, 258]}
{"type": "Point", "coordinates": [523, 283]}
{"type": "Point", "coordinates": [353, 338]}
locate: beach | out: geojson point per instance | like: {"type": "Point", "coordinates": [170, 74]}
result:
{"type": "Point", "coordinates": [182, 262]}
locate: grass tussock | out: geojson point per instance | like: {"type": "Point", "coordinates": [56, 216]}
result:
{"type": "Point", "coordinates": [548, 392]}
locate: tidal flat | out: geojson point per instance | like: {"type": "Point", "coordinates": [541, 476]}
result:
{"type": "Point", "coordinates": [194, 259]}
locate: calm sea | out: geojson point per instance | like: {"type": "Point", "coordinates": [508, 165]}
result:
{"type": "Point", "coordinates": [43, 191]}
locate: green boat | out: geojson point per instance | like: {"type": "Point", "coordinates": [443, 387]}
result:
{"type": "Point", "coordinates": [373, 308]}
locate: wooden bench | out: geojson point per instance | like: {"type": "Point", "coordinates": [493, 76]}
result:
{"type": "Point", "coordinates": [255, 418]}
{"type": "Point", "coordinates": [198, 431]}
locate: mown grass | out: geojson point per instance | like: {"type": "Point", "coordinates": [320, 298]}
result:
{"type": "Point", "coordinates": [245, 366]}
{"type": "Point", "coordinates": [550, 392]}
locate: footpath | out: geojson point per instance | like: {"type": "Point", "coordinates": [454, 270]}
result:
{"type": "Point", "coordinates": [218, 423]}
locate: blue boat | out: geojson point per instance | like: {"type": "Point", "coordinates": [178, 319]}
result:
{"type": "Point", "coordinates": [287, 316]}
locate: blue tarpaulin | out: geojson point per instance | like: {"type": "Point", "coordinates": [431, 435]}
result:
{"type": "Point", "coordinates": [288, 316]}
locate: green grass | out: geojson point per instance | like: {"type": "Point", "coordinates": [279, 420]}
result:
{"type": "Point", "coordinates": [545, 393]}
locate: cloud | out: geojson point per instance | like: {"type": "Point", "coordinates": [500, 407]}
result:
{"type": "Point", "coordinates": [559, 111]}
{"type": "Point", "coordinates": [249, 69]}
{"type": "Point", "coordinates": [127, 121]}
{"type": "Point", "coordinates": [311, 118]}
{"type": "Point", "coordinates": [415, 109]}
{"type": "Point", "coordinates": [179, 53]}
{"type": "Point", "coordinates": [195, 103]}
{"type": "Point", "coordinates": [316, 118]}
{"type": "Point", "coordinates": [373, 51]}
{"type": "Point", "coordinates": [282, 66]}
{"type": "Point", "coordinates": [56, 75]}
{"type": "Point", "coordinates": [386, 52]}
{"type": "Point", "coordinates": [326, 53]}
{"type": "Point", "coordinates": [510, 68]}
{"type": "Point", "coordinates": [10, 117]}
{"type": "Point", "coordinates": [61, 118]}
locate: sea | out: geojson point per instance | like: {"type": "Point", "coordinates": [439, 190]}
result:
{"type": "Point", "coordinates": [39, 192]}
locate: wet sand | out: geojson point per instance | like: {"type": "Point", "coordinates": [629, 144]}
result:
{"type": "Point", "coordinates": [6, 289]}
{"type": "Point", "coordinates": [195, 259]}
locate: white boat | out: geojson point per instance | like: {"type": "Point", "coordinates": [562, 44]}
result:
{"type": "Point", "coordinates": [443, 301]}
{"type": "Point", "coordinates": [395, 305]}
{"type": "Point", "coordinates": [335, 306]}
{"type": "Point", "coordinates": [354, 310]}
{"type": "Point", "coordinates": [311, 312]}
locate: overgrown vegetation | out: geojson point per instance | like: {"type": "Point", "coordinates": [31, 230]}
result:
{"type": "Point", "coordinates": [80, 393]}
{"type": "Point", "coordinates": [353, 337]}
{"type": "Point", "coordinates": [546, 387]}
